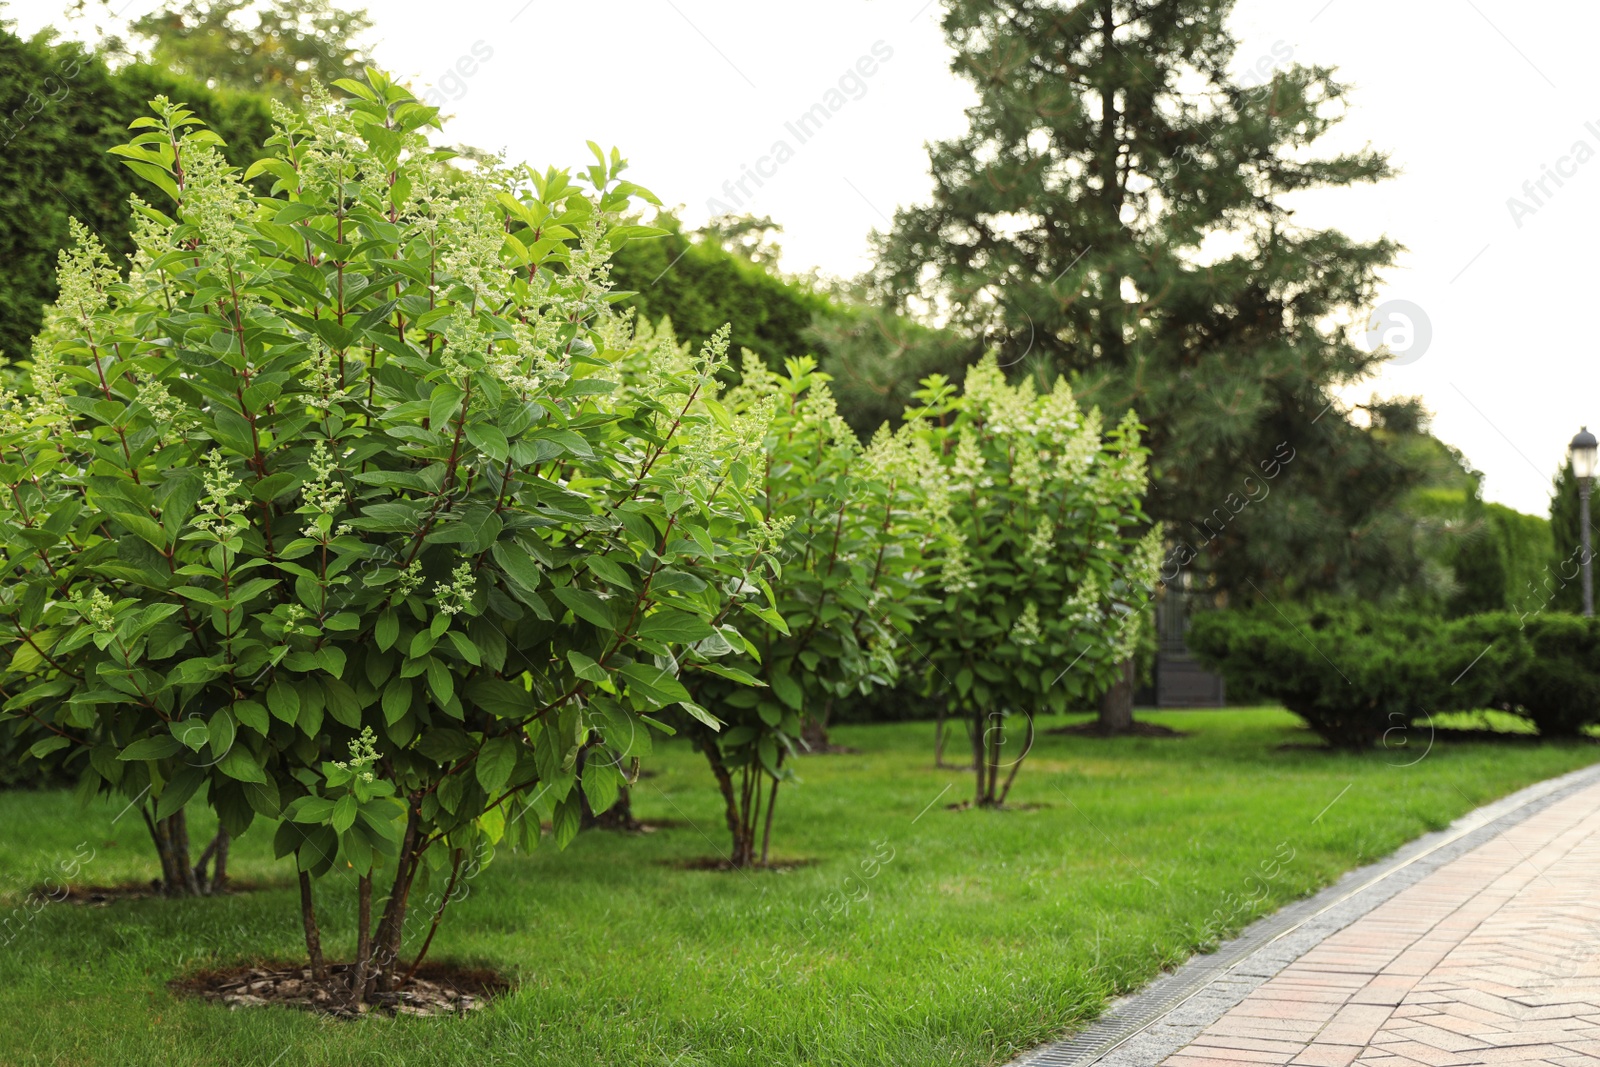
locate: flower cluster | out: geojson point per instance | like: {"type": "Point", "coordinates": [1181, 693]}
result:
{"type": "Point", "coordinates": [220, 514]}
{"type": "Point", "coordinates": [323, 494]}
{"type": "Point", "coordinates": [455, 596]}
{"type": "Point", "coordinates": [363, 754]}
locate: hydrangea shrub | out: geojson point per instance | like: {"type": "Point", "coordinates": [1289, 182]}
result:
{"type": "Point", "coordinates": [332, 508]}
{"type": "Point", "coordinates": [1049, 561]}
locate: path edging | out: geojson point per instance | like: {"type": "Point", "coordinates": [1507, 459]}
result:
{"type": "Point", "coordinates": [1168, 1014]}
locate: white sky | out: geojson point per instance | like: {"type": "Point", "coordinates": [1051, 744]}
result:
{"type": "Point", "coordinates": [1472, 98]}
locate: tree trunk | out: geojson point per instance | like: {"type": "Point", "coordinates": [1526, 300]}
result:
{"type": "Point", "coordinates": [979, 746]}
{"type": "Point", "coordinates": [733, 810]}
{"type": "Point", "coordinates": [1116, 706]}
{"type": "Point", "coordinates": [772, 803]}
{"type": "Point", "coordinates": [438, 914]}
{"type": "Point", "coordinates": [308, 917]}
{"type": "Point", "coordinates": [179, 877]}
{"type": "Point", "coordinates": [219, 865]}
{"type": "Point", "coordinates": [180, 852]}
{"type": "Point", "coordinates": [216, 856]}
{"type": "Point", "coordinates": [391, 928]}
{"type": "Point", "coordinates": [362, 972]}
{"type": "Point", "coordinates": [814, 731]}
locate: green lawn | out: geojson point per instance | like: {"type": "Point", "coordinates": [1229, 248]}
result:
{"type": "Point", "coordinates": [985, 933]}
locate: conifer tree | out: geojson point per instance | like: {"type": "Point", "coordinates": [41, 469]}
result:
{"type": "Point", "coordinates": [1116, 211]}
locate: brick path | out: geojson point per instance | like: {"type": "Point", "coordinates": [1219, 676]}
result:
{"type": "Point", "coordinates": [1494, 958]}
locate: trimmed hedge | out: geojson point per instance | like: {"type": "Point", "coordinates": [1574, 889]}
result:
{"type": "Point", "coordinates": [1356, 675]}
{"type": "Point", "coordinates": [1557, 685]}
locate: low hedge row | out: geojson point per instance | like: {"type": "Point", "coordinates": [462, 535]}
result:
{"type": "Point", "coordinates": [1354, 674]}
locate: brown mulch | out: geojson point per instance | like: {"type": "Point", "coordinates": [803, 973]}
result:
{"type": "Point", "coordinates": [1140, 729]}
{"type": "Point", "coordinates": [635, 826]}
{"type": "Point", "coordinates": [830, 749]}
{"type": "Point", "coordinates": [967, 805]}
{"type": "Point", "coordinates": [717, 863]}
{"type": "Point", "coordinates": [438, 989]}
{"type": "Point", "coordinates": [99, 896]}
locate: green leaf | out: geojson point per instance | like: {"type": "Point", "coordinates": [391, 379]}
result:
{"type": "Point", "coordinates": [566, 820]}
{"type": "Point", "coordinates": [501, 699]}
{"type": "Point", "coordinates": [221, 730]}
{"type": "Point", "coordinates": [444, 745]}
{"type": "Point", "coordinates": [585, 668]}
{"type": "Point", "coordinates": [240, 765]}
{"type": "Point", "coordinates": [342, 702]}
{"type": "Point", "coordinates": [488, 439]}
{"type": "Point", "coordinates": [465, 647]}
{"type": "Point", "coordinates": [157, 746]}
{"type": "Point", "coordinates": [443, 405]}
{"type": "Point", "coordinates": [699, 713]}
{"type": "Point", "coordinates": [43, 748]}
{"type": "Point", "coordinates": [518, 565]}
{"type": "Point", "coordinates": [673, 626]}
{"type": "Point", "coordinates": [654, 683]}
{"type": "Point", "coordinates": [283, 701]}
{"type": "Point", "coordinates": [602, 783]}
{"type": "Point", "coordinates": [264, 798]}
{"type": "Point", "coordinates": [178, 790]}
{"type": "Point", "coordinates": [396, 699]}
{"type": "Point", "coordinates": [250, 713]}
{"type": "Point", "coordinates": [586, 606]}
{"type": "Point", "coordinates": [608, 571]}
{"type": "Point", "coordinates": [387, 630]}
{"type": "Point", "coordinates": [496, 760]}
{"type": "Point", "coordinates": [787, 689]}
{"type": "Point", "coordinates": [311, 809]}
{"type": "Point", "coordinates": [770, 617]}
{"type": "Point", "coordinates": [440, 682]}
{"type": "Point", "coordinates": [331, 658]}
{"type": "Point", "coordinates": [344, 813]}
{"type": "Point", "coordinates": [731, 673]}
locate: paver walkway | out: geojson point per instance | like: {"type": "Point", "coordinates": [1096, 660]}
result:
{"type": "Point", "coordinates": [1493, 958]}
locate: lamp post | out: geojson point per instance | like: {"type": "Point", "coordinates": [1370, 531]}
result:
{"type": "Point", "coordinates": [1585, 453]}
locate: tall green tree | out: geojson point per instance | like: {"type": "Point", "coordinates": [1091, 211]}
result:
{"type": "Point", "coordinates": [1116, 211]}
{"type": "Point", "coordinates": [279, 47]}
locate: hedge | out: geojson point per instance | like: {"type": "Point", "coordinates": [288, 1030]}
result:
{"type": "Point", "coordinates": [64, 109]}
{"type": "Point", "coordinates": [1356, 675]}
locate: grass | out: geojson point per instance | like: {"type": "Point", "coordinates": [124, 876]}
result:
{"type": "Point", "coordinates": [981, 934]}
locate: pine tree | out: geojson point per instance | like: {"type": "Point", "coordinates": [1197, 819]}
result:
{"type": "Point", "coordinates": [1116, 212]}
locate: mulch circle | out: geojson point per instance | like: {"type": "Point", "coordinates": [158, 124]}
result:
{"type": "Point", "coordinates": [717, 863]}
{"type": "Point", "coordinates": [638, 828]}
{"type": "Point", "coordinates": [99, 896]}
{"type": "Point", "coordinates": [967, 805]}
{"type": "Point", "coordinates": [1139, 729]}
{"type": "Point", "coordinates": [438, 989]}
{"type": "Point", "coordinates": [830, 750]}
